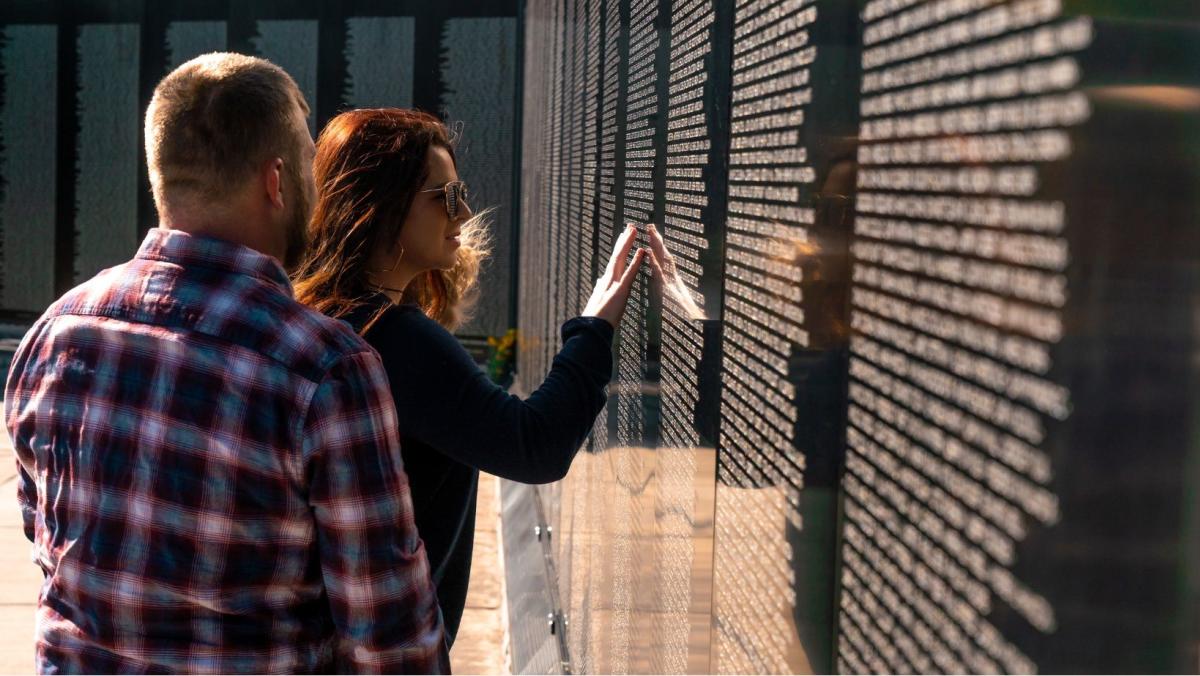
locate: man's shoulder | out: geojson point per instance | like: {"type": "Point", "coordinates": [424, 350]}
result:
{"type": "Point", "coordinates": [100, 290]}
{"type": "Point", "coordinates": [239, 310]}
{"type": "Point", "coordinates": [310, 341]}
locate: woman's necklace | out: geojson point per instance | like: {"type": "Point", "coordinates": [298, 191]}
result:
{"type": "Point", "coordinates": [388, 290]}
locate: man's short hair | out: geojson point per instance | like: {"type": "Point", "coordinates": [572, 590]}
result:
{"type": "Point", "coordinates": [214, 120]}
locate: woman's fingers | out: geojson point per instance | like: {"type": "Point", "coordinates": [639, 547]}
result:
{"type": "Point", "coordinates": [606, 277]}
{"type": "Point", "coordinates": [616, 264]}
{"type": "Point", "coordinates": [630, 273]}
{"type": "Point", "coordinates": [609, 269]}
{"type": "Point", "coordinates": [609, 304]}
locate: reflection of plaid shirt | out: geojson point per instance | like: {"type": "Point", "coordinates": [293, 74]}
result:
{"type": "Point", "coordinates": [210, 474]}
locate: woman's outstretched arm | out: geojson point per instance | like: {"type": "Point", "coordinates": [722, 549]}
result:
{"type": "Point", "coordinates": [445, 400]}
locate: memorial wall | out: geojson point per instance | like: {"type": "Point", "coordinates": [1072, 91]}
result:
{"type": "Point", "coordinates": [919, 391]}
{"type": "Point", "coordinates": [75, 78]}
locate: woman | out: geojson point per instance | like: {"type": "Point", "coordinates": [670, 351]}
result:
{"type": "Point", "coordinates": [395, 251]}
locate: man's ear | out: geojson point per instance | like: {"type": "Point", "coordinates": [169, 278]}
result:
{"type": "Point", "coordinates": [272, 181]}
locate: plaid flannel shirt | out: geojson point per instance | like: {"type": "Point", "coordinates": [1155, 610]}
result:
{"type": "Point", "coordinates": [210, 475]}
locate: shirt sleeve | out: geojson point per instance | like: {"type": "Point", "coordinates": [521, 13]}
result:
{"type": "Point", "coordinates": [16, 390]}
{"type": "Point", "coordinates": [373, 563]}
{"type": "Point", "coordinates": [446, 401]}
{"type": "Point", "coordinates": [27, 498]}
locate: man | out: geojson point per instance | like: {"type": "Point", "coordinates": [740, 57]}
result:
{"type": "Point", "coordinates": [210, 472]}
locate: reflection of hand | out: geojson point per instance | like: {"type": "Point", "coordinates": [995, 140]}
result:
{"type": "Point", "coordinates": [666, 282]}
{"type": "Point", "coordinates": [612, 289]}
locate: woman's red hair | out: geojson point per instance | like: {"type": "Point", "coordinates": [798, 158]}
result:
{"type": "Point", "coordinates": [368, 169]}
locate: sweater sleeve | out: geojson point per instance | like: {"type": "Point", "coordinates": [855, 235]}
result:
{"type": "Point", "coordinates": [446, 401]}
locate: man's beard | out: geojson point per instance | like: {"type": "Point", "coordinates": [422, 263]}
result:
{"type": "Point", "coordinates": [296, 233]}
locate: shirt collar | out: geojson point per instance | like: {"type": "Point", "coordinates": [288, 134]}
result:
{"type": "Point", "coordinates": [184, 249]}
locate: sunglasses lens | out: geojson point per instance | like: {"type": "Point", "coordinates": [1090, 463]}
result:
{"type": "Point", "coordinates": [456, 193]}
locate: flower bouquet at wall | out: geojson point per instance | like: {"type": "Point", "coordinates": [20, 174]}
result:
{"type": "Point", "coordinates": [502, 358]}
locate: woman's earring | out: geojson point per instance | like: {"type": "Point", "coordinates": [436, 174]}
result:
{"type": "Point", "coordinates": [394, 265]}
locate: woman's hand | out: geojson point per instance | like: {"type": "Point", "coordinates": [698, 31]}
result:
{"type": "Point", "coordinates": [612, 289]}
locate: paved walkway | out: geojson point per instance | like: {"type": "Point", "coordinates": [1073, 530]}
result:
{"type": "Point", "coordinates": [19, 579]}
{"type": "Point", "coordinates": [478, 649]}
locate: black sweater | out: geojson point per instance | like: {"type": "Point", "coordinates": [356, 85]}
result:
{"type": "Point", "coordinates": [454, 422]}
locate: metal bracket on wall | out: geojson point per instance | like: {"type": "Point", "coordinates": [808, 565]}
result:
{"type": "Point", "coordinates": [556, 619]}
{"type": "Point", "coordinates": [537, 640]}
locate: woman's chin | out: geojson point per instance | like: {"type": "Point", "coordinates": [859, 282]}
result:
{"type": "Point", "coordinates": [451, 257]}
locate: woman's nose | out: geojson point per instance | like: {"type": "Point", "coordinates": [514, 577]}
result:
{"type": "Point", "coordinates": [464, 210]}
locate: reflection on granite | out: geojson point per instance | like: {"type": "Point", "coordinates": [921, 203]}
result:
{"type": "Point", "coordinates": [755, 575]}
{"type": "Point", "coordinates": [635, 559]}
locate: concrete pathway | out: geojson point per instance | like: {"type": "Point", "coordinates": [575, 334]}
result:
{"type": "Point", "coordinates": [19, 578]}
{"type": "Point", "coordinates": [479, 647]}
{"type": "Point", "coordinates": [478, 650]}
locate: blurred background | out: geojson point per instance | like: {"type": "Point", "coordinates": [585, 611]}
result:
{"type": "Point", "coordinates": [75, 79]}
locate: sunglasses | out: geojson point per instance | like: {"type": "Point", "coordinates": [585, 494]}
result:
{"type": "Point", "coordinates": [456, 195]}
